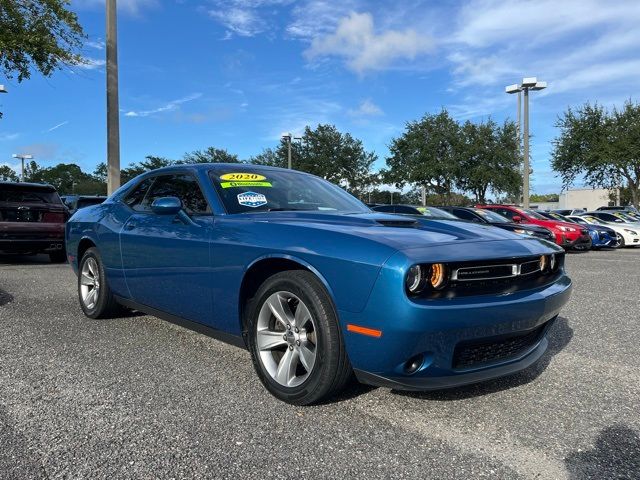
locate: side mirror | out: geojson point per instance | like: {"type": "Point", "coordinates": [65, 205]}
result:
{"type": "Point", "coordinates": [166, 206]}
{"type": "Point", "coordinates": [517, 218]}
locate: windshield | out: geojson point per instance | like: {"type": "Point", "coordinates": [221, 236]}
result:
{"type": "Point", "coordinates": [25, 194]}
{"type": "Point", "coordinates": [578, 220]}
{"type": "Point", "coordinates": [561, 218]}
{"type": "Point", "coordinates": [625, 217]}
{"type": "Point", "coordinates": [490, 216]}
{"type": "Point", "coordinates": [256, 189]}
{"type": "Point", "coordinates": [610, 218]}
{"type": "Point", "coordinates": [531, 213]}
{"type": "Point", "coordinates": [433, 212]}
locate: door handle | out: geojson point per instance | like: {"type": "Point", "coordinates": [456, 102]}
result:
{"type": "Point", "coordinates": [130, 226]}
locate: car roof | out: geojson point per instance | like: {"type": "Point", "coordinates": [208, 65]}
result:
{"type": "Point", "coordinates": [209, 166]}
{"type": "Point", "coordinates": [42, 186]}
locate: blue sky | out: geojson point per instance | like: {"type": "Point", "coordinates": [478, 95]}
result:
{"type": "Point", "coordinates": [236, 74]}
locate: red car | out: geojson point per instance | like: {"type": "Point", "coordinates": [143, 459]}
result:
{"type": "Point", "coordinates": [568, 235]}
{"type": "Point", "coordinates": [32, 220]}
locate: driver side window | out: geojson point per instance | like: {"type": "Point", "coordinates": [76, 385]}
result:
{"type": "Point", "coordinates": [183, 186]}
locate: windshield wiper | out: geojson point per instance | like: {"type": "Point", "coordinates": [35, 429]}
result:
{"type": "Point", "coordinates": [288, 209]}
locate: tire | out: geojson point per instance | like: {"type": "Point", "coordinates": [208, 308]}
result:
{"type": "Point", "coordinates": [622, 243]}
{"type": "Point", "coordinates": [312, 348]}
{"type": "Point", "coordinates": [59, 256]}
{"type": "Point", "coordinates": [101, 304]}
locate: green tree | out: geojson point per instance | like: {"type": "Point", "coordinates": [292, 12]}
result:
{"type": "Point", "coordinates": [427, 154]}
{"type": "Point", "coordinates": [545, 198]}
{"type": "Point", "coordinates": [489, 159]}
{"type": "Point", "coordinates": [7, 174]}
{"type": "Point", "coordinates": [68, 178]}
{"type": "Point", "coordinates": [600, 146]}
{"type": "Point", "coordinates": [40, 34]}
{"type": "Point", "coordinates": [210, 155]}
{"type": "Point", "coordinates": [327, 153]}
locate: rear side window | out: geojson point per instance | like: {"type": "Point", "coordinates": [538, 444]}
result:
{"type": "Point", "coordinates": [465, 215]}
{"type": "Point", "coordinates": [185, 187]}
{"type": "Point", "coordinates": [24, 194]}
{"type": "Point", "coordinates": [506, 213]}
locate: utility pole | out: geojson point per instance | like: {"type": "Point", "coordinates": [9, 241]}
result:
{"type": "Point", "coordinates": [113, 109]}
{"type": "Point", "coordinates": [22, 158]}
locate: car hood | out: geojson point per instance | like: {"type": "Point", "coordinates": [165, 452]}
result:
{"type": "Point", "coordinates": [396, 231]}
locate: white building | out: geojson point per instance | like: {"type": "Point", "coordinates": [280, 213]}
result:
{"type": "Point", "coordinates": [585, 198]}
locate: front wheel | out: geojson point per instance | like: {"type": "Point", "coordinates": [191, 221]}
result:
{"type": "Point", "coordinates": [295, 340]}
{"type": "Point", "coordinates": [96, 298]}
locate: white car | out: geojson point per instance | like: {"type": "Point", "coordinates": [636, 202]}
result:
{"type": "Point", "coordinates": [628, 233]}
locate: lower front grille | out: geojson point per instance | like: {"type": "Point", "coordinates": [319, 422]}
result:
{"type": "Point", "coordinates": [478, 352]}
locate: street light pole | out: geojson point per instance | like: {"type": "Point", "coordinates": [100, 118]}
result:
{"type": "Point", "coordinates": [22, 158]}
{"type": "Point", "coordinates": [529, 83]}
{"type": "Point", "coordinates": [113, 109]}
{"type": "Point", "coordinates": [288, 138]}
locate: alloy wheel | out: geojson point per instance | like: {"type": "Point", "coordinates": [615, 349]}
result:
{"type": "Point", "coordinates": [90, 283]}
{"type": "Point", "coordinates": [286, 339]}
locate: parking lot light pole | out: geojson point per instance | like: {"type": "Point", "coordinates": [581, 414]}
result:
{"type": "Point", "coordinates": [22, 157]}
{"type": "Point", "coordinates": [287, 137]}
{"type": "Point", "coordinates": [528, 83]}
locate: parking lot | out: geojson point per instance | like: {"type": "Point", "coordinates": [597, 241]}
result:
{"type": "Point", "coordinates": [137, 397]}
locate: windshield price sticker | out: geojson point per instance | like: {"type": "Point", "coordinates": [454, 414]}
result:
{"type": "Point", "coordinates": [244, 184]}
{"type": "Point", "coordinates": [252, 199]}
{"type": "Point", "coordinates": [243, 177]}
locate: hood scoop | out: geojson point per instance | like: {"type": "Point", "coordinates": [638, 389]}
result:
{"type": "Point", "coordinates": [399, 223]}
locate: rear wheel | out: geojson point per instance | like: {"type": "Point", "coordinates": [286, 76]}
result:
{"type": "Point", "coordinates": [295, 340]}
{"type": "Point", "coordinates": [96, 298]}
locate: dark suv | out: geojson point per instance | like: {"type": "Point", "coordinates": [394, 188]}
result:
{"type": "Point", "coordinates": [32, 220]}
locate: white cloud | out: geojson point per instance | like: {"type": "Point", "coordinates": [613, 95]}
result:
{"type": "Point", "coordinates": [170, 106]}
{"type": "Point", "coordinates": [132, 7]}
{"type": "Point", "coordinates": [5, 137]}
{"type": "Point", "coordinates": [491, 22]}
{"type": "Point", "coordinates": [313, 18]}
{"type": "Point", "coordinates": [363, 49]}
{"type": "Point", "coordinates": [97, 44]}
{"type": "Point", "coordinates": [366, 109]}
{"type": "Point", "coordinates": [92, 63]}
{"type": "Point", "coordinates": [244, 18]}
{"type": "Point", "coordinates": [55, 127]}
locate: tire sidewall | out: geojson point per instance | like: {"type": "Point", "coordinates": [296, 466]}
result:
{"type": "Point", "coordinates": [320, 308]}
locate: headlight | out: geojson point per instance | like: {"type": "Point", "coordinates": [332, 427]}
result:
{"type": "Point", "coordinates": [438, 277]}
{"type": "Point", "coordinates": [632, 232]}
{"type": "Point", "coordinates": [544, 263]}
{"type": "Point", "coordinates": [523, 232]}
{"type": "Point", "coordinates": [553, 263]}
{"type": "Point", "coordinates": [415, 279]}
{"type": "Point", "coordinates": [567, 229]}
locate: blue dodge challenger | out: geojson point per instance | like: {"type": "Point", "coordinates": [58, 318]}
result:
{"type": "Point", "coordinates": [314, 284]}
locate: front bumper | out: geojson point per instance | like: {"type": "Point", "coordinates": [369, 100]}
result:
{"type": "Point", "coordinates": [435, 330]}
{"type": "Point", "coordinates": [583, 242]}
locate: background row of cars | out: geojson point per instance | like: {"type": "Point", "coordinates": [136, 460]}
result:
{"type": "Point", "coordinates": [32, 218]}
{"type": "Point", "coordinates": [607, 227]}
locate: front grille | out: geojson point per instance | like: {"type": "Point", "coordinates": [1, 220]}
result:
{"type": "Point", "coordinates": [477, 353]}
{"type": "Point", "coordinates": [495, 277]}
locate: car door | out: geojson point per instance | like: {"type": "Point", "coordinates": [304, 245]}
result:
{"type": "Point", "coordinates": [166, 260]}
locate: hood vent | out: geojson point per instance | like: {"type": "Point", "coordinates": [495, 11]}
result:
{"type": "Point", "coordinates": [398, 223]}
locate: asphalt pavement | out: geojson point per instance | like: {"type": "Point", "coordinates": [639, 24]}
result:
{"type": "Point", "coordinates": [138, 397]}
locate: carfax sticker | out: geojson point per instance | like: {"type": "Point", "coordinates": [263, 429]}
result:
{"type": "Point", "coordinates": [243, 177]}
{"type": "Point", "coordinates": [252, 199]}
{"type": "Point", "coordinates": [244, 184]}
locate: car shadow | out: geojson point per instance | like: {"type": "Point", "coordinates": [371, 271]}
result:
{"type": "Point", "coordinates": [559, 336]}
{"type": "Point", "coordinates": [616, 454]}
{"type": "Point", "coordinates": [5, 297]}
{"type": "Point", "coordinates": [14, 259]}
